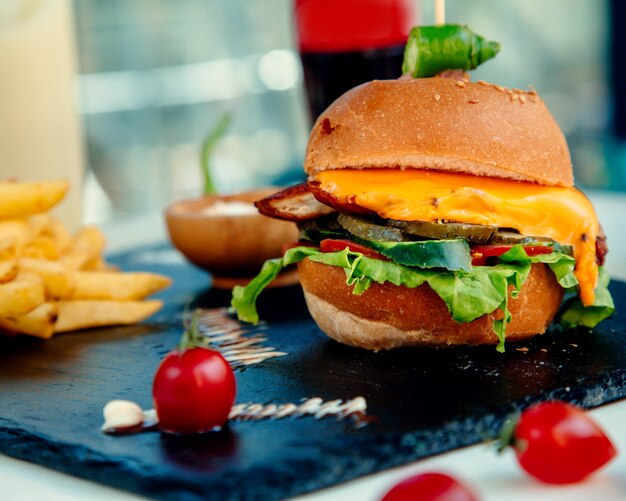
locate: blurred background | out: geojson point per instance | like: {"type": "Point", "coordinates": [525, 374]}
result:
{"type": "Point", "coordinates": [154, 76]}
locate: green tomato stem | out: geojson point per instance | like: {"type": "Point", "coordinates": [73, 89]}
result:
{"type": "Point", "coordinates": [192, 338]}
{"type": "Point", "coordinates": [506, 438]}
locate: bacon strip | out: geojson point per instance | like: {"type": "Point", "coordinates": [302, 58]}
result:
{"type": "Point", "coordinates": [347, 205]}
{"type": "Point", "coordinates": [295, 203]}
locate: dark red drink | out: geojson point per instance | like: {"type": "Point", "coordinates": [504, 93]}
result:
{"type": "Point", "coordinates": [344, 43]}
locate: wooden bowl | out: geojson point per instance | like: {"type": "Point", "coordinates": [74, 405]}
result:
{"type": "Point", "coordinates": [232, 247]}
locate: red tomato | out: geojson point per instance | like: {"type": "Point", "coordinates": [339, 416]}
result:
{"type": "Point", "coordinates": [193, 391]}
{"type": "Point", "coordinates": [332, 245]}
{"type": "Point", "coordinates": [480, 253]}
{"type": "Point", "coordinates": [430, 487]}
{"type": "Point", "coordinates": [558, 443]}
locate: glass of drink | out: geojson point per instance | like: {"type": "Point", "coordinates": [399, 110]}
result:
{"type": "Point", "coordinates": [40, 131]}
{"type": "Point", "coordinates": [343, 43]}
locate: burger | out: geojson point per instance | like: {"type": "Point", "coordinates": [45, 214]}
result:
{"type": "Point", "coordinates": [438, 212]}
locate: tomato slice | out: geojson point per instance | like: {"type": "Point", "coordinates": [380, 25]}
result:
{"type": "Point", "coordinates": [332, 245]}
{"type": "Point", "coordinates": [480, 253]}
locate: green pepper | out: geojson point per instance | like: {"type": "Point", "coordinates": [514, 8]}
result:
{"type": "Point", "coordinates": [433, 49]}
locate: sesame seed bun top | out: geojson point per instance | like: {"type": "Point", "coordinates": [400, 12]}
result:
{"type": "Point", "coordinates": [441, 124]}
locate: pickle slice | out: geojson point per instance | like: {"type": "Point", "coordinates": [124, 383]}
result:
{"type": "Point", "coordinates": [406, 231]}
{"type": "Point", "coordinates": [316, 230]}
{"type": "Point", "coordinates": [362, 228]}
{"type": "Point", "coordinates": [513, 238]}
{"type": "Point", "coordinates": [505, 237]}
{"type": "Point", "coordinates": [443, 231]}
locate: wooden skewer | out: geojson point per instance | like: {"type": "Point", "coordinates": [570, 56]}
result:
{"type": "Point", "coordinates": [440, 12]}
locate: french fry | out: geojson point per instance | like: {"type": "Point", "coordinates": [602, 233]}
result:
{"type": "Point", "coordinates": [41, 237]}
{"type": "Point", "coordinates": [25, 199]}
{"type": "Point", "coordinates": [21, 295]}
{"type": "Point", "coordinates": [53, 282]}
{"type": "Point", "coordinates": [117, 286]}
{"type": "Point", "coordinates": [17, 230]}
{"type": "Point", "coordinates": [75, 315]}
{"type": "Point", "coordinates": [96, 264]}
{"type": "Point", "coordinates": [8, 248]}
{"type": "Point", "coordinates": [39, 223]}
{"type": "Point", "coordinates": [88, 244]}
{"type": "Point", "coordinates": [38, 322]}
{"type": "Point", "coordinates": [58, 232]}
{"type": "Point", "coordinates": [58, 281]}
{"type": "Point", "coordinates": [75, 260]}
{"type": "Point", "coordinates": [8, 270]}
{"type": "Point", "coordinates": [41, 247]}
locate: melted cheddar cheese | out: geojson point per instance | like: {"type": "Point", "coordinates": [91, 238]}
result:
{"type": "Point", "coordinates": [563, 214]}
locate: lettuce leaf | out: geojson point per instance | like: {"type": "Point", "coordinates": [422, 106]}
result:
{"type": "Point", "coordinates": [468, 295]}
{"type": "Point", "coordinates": [561, 264]}
{"type": "Point", "coordinates": [575, 314]}
{"type": "Point", "coordinates": [244, 298]}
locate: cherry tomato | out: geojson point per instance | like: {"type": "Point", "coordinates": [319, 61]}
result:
{"type": "Point", "coordinates": [193, 391]}
{"type": "Point", "coordinates": [558, 443]}
{"type": "Point", "coordinates": [430, 487]}
{"type": "Point", "coordinates": [480, 253]}
{"type": "Point", "coordinates": [332, 245]}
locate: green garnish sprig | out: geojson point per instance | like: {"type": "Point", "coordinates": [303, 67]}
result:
{"type": "Point", "coordinates": [207, 149]}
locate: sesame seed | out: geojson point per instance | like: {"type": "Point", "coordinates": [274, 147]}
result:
{"type": "Point", "coordinates": [523, 349]}
{"type": "Point", "coordinates": [482, 82]}
{"type": "Point", "coordinates": [460, 83]}
{"type": "Point", "coordinates": [466, 80]}
{"type": "Point", "coordinates": [437, 97]}
{"type": "Point", "coordinates": [500, 88]}
{"type": "Point", "coordinates": [544, 350]}
{"type": "Point", "coordinates": [514, 97]}
{"type": "Point", "coordinates": [522, 99]}
{"type": "Point", "coordinates": [474, 100]}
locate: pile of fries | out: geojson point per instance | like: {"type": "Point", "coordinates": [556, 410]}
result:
{"type": "Point", "coordinates": [51, 281]}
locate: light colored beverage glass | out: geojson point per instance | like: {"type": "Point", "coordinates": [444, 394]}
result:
{"type": "Point", "coordinates": [40, 132]}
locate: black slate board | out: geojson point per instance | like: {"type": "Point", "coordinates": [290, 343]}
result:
{"type": "Point", "coordinates": [427, 401]}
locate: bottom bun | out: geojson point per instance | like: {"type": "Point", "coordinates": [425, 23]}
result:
{"type": "Point", "coordinates": [388, 316]}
